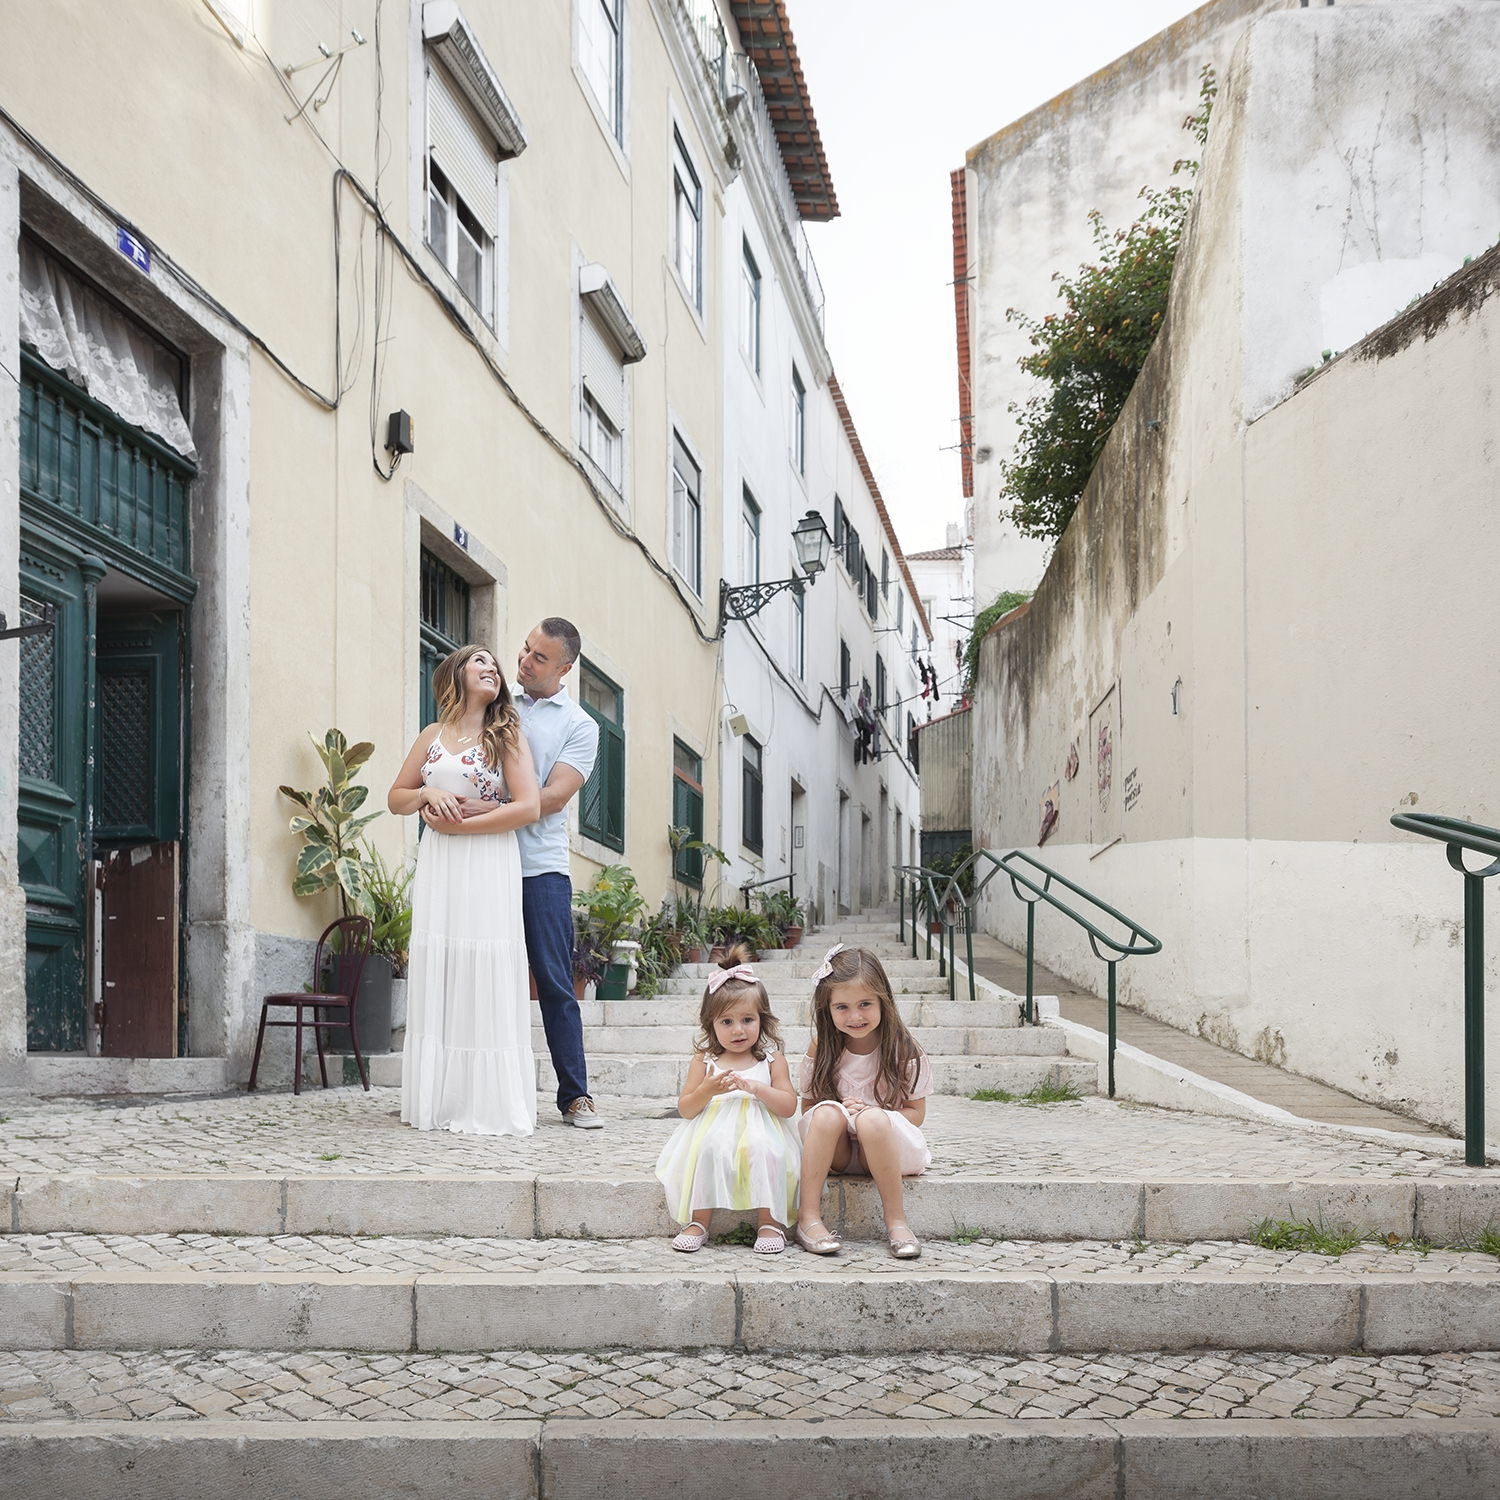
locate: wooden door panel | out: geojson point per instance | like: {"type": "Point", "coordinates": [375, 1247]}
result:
{"type": "Point", "coordinates": [139, 964]}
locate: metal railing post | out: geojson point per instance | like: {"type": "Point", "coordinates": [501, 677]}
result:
{"type": "Point", "coordinates": [1113, 962]}
{"type": "Point", "coordinates": [951, 940]}
{"type": "Point", "coordinates": [901, 908]}
{"type": "Point", "coordinates": [1473, 1019]}
{"type": "Point", "coordinates": [1030, 962]}
{"type": "Point", "coordinates": [969, 947]}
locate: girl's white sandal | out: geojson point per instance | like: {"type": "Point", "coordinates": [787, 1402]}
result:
{"type": "Point", "coordinates": [688, 1242]}
{"type": "Point", "coordinates": [770, 1240]}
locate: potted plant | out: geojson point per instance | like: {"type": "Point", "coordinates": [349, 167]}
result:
{"type": "Point", "coordinates": [610, 905]}
{"type": "Point", "coordinates": [334, 857]}
{"type": "Point", "coordinates": [692, 930]}
{"type": "Point", "coordinates": [660, 950]}
{"type": "Point", "coordinates": [388, 906]}
{"type": "Point", "coordinates": [589, 956]}
{"type": "Point", "coordinates": [784, 912]}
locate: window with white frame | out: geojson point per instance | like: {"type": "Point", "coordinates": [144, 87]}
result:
{"type": "Point", "coordinates": [601, 58]}
{"type": "Point", "coordinates": [687, 222]}
{"type": "Point", "coordinates": [750, 307]}
{"type": "Point", "coordinates": [602, 417]}
{"type": "Point", "coordinates": [799, 422]}
{"type": "Point", "coordinates": [463, 193]}
{"type": "Point", "coordinates": [799, 632]}
{"type": "Point", "coordinates": [687, 516]}
{"type": "Point", "coordinates": [749, 539]}
{"type": "Point", "coordinates": [900, 611]}
{"type": "Point", "coordinates": [753, 796]}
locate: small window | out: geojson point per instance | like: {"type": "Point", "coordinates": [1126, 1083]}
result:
{"type": "Point", "coordinates": [750, 540]}
{"type": "Point", "coordinates": [600, 439]}
{"type": "Point", "coordinates": [914, 646]}
{"type": "Point", "coordinates": [687, 222]}
{"type": "Point", "coordinates": [601, 58]}
{"type": "Point", "coordinates": [602, 417]}
{"type": "Point", "coordinates": [900, 611]}
{"type": "Point", "coordinates": [601, 805]}
{"type": "Point", "coordinates": [750, 308]}
{"type": "Point", "coordinates": [463, 194]}
{"type": "Point", "coordinates": [687, 516]}
{"type": "Point", "coordinates": [443, 613]}
{"type": "Point", "coordinates": [880, 686]}
{"type": "Point", "coordinates": [872, 598]}
{"type": "Point", "coordinates": [840, 525]}
{"type": "Point", "coordinates": [885, 574]}
{"type": "Point", "coordinates": [687, 814]}
{"type": "Point", "coordinates": [911, 740]}
{"type": "Point", "coordinates": [799, 422]}
{"type": "Point", "coordinates": [752, 824]}
{"type": "Point", "coordinates": [799, 632]}
{"type": "Point", "coordinates": [845, 669]}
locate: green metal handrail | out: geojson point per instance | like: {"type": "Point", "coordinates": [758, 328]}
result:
{"type": "Point", "coordinates": [755, 885]}
{"type": "Point", "coordinates": [1463, 837]}
{"type": "Point", "coordinates": [943, 892]}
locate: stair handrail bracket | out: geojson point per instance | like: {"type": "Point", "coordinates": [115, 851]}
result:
{"type": "Point", "coordinates": [1019, 867]}
{"type": "Point", "coordinates": [1463, 837]}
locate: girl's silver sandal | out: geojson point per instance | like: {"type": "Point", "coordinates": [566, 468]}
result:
{"type": "Point", "coordinates": [905, 1247]}
{"type": "Point", "coordinates": [824, 1244]}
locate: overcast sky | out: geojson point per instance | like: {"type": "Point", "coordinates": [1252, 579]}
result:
{"type": "Point", "coordinates": [902, 89]}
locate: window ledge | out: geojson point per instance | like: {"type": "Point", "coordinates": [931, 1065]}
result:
{"type": "Point", "coordinates": [604, 300]}
{"type": "Point", "coordinates": [447, 33]}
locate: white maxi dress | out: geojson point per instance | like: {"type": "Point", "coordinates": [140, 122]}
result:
{"type": "Point", "coordinates": [467, 1065]}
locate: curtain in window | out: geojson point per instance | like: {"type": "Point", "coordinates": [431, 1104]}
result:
{"type": "Point", "coordinates": [77, 332]}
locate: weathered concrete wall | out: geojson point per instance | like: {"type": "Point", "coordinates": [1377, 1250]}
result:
{"type": "Point", "coordinates": [1276, 607]}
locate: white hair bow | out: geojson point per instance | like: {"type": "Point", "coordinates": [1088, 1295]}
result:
{"type": "Point", "coordinates": [826, 967]}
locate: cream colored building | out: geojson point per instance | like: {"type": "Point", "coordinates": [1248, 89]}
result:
{"type": "Point", "coordinates": [499, 217]}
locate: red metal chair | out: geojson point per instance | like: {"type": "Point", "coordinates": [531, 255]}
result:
{"type": "Point", "coordinates": [340, 961]}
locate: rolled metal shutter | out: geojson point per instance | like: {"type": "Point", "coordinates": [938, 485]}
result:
{"type": "Point", "coordinates": [603, 371]}
{"type": "Point", "coordinates": [463, 148]}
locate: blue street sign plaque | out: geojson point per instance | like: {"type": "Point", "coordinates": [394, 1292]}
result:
{"type": "Point", "coordinates": [460, 536]}
{"type": "Point", "coordinates": [133, 250]}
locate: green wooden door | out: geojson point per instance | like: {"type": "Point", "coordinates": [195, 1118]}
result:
{"type": "Point", "coordinates": [54, 812]}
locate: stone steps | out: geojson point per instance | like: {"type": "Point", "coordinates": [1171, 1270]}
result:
{"type": "Point", "coordinates": [661, 1038]}
{"type": "Point", "coordinates": [670, 1008]}
{"type": "Point", "coordinates": [627, 1203]}
{"type": "Point", "coordinates": [643, 1075]}
{"type": "Point", "coordinates": [523, 1458]}
{"type": "Point", "coordinates": [550, 1295]}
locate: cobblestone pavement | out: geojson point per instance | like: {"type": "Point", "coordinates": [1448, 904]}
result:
{"type": "Point", "coordinates": [174, 1385]}
{"type": "Point", "coordinates": [77, 1254]}
{"type": "Point", "coordinates": [349, 1131]}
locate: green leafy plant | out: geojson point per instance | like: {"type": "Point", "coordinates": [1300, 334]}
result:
{"type": "Point", "coordinates": [1088, 355]}
{"type": "Point", "coordinates": [611, 903]}
{"type": "Point", "coordinates": [1046, 1092]}
{"type": "Point", "coordinates": [984, 622]}
{"type": "Point", "coordinates": [332, 856]}
{"type": "Point", "coordinates": [691, 918]}
{"type": "Point", "coordinates": [388, 906]}
{"type": "Point", "coordinates": [661, 950]}
{"type": "Point", "coordinates": [965, 1234]}
{"type": "Point", "coordinates": [781, 909]}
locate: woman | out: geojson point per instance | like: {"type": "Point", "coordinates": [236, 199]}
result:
{"type": "Point", "coordinates": [467, 1065]}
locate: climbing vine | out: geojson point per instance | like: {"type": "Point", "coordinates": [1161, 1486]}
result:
{"type": "Point", "coordinates": [1089, 354]}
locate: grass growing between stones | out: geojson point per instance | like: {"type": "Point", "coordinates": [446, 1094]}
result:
{"type": "Point", "coordinates": [1044, 1093]}
{"type": "Point", "coordinates": [966, 1234]}
{"type": "Point", "coordinates": [741, 1234]}
{"type": "Point", "coordinates": [1314, 1235]}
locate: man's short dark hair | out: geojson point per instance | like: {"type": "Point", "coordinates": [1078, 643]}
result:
{"type": "Point", "coordinates": [566, 632]}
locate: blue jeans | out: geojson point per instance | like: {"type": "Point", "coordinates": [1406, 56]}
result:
{"type": "Point", "coordinates": [547, 915]}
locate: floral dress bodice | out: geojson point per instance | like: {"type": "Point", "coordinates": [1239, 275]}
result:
{"type": "Point", "coordinates": [466, 773]}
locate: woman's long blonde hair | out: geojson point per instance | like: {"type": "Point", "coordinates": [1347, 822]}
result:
{"type": "Point", "coordinates": [899, 1054]}
{"type": "Point", "coordinates": [502, 724]}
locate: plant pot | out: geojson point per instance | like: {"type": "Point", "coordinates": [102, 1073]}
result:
{"type": "Point", "coordinates": [372, 1011]}
{"type": "Point", "coordinates": [692, 955]}
{"type": "Point", "coordinates": [934, 927]}
{"type": "Point", "coordinates": [616, 983]}
{"type": "Point", "coordinates": [580, 988]}
{"type": "Point", "coordinates": [791, 937]}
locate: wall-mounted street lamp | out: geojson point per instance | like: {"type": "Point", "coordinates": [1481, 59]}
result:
{"type": "Point", "coordinates": [813, 546]}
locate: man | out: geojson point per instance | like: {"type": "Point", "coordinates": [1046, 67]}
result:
{"type": "Point", "coordinates": [564, 742]}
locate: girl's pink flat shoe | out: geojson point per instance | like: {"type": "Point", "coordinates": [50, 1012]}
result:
{"type": "Point", "coordinates": [770, 1240]}
{"type": "Point", "coordinates": [692, 1238]}
{"type": "Point", "coordinates": [823, 1244]}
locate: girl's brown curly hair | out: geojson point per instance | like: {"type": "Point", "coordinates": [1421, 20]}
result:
{"type": "Point", "coordinates": [899, 1053]}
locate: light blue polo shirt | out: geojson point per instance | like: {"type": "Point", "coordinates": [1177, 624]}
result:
{"type": "Point", "coordinates": [558, 731]}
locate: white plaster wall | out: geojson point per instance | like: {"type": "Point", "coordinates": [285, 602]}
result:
{"type": "Point", "coordinates": [948, 584]}
{"type": "Point", "coordinates": [1311, 577]}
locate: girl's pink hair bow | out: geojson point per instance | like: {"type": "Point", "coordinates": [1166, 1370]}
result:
{"type": "Point", "coordinates": [826, 967]}
{"type": "Point", "coordinates": [739, 971]}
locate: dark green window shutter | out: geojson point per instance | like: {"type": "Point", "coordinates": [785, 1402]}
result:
{"type": "Point", "coordinates": [687, 812]}
{"type": "Point", "coordinates": [601, 807]}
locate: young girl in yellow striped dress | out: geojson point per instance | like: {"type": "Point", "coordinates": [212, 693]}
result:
{"type": "Point", "coordinates": [736, 1147]}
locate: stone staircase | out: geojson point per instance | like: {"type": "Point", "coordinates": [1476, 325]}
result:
{"type": "Point", "coordinates": [278, 1296]}
{"type": "Point", "coordinates": [643, 1047]}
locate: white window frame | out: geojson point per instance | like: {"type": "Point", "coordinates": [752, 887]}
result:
{"type": "Point", "coordinates": [606, 42]}
{"type": "Point", "coordinates": [799, 633]}
{"type": "Point", "coordinates": [482, 295]}
{"type": "Point", "coordinates": [751, 286]}
{"type": "Point", "coordinates": [602, 442]}
{"type": "Point", "coordinates": [687, 221]}
{"type": "Point", "coordinates": [799, 422]}
{"type": "Point", "coordinates": [686, 515]}
{"type": "Point", "coordinates": [750, 551]}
